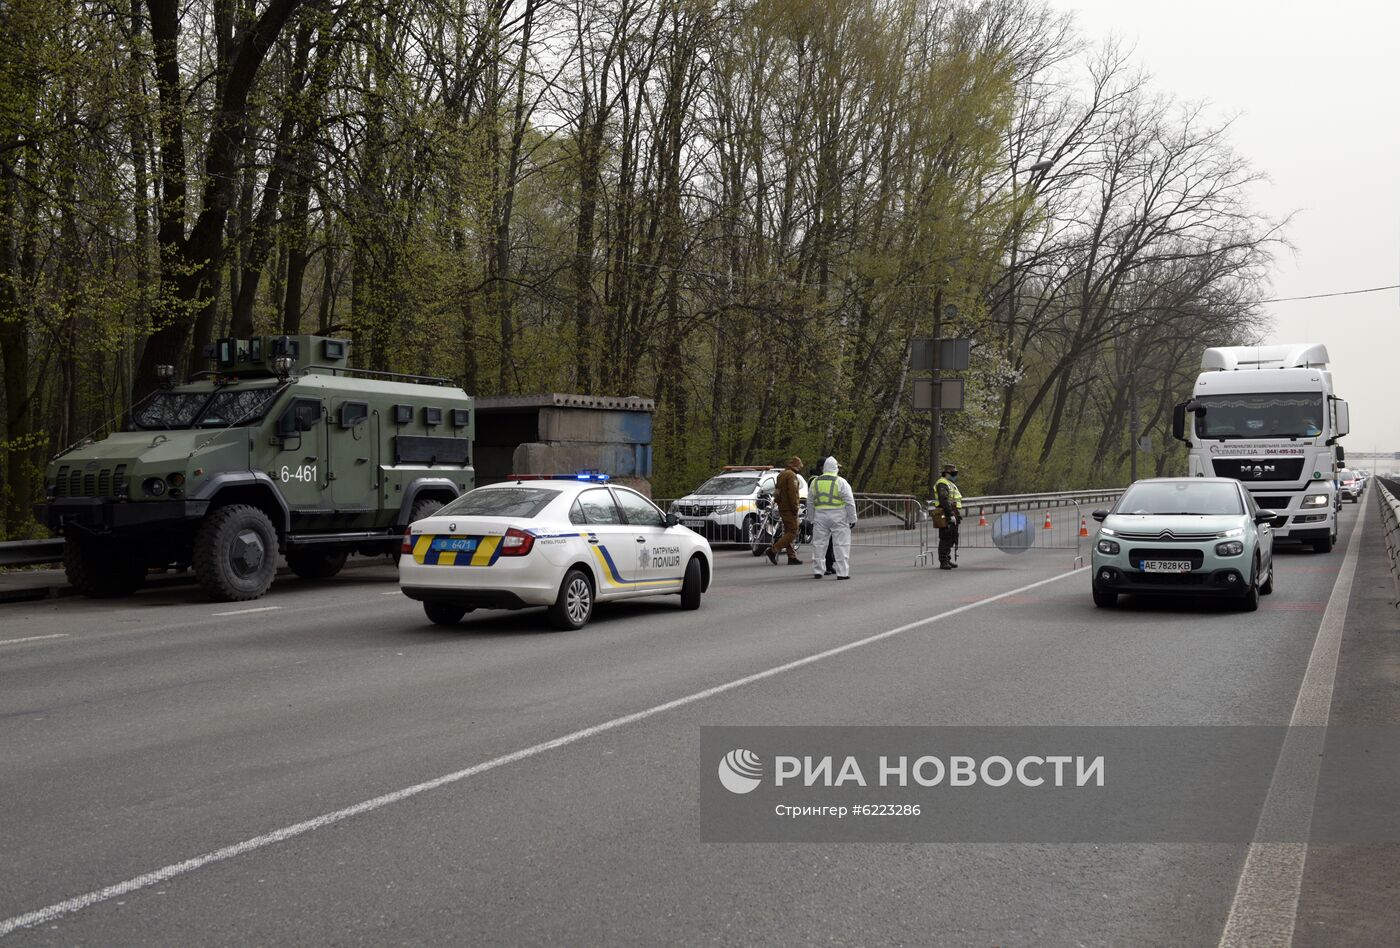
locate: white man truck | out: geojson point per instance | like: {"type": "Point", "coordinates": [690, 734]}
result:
{"type": "Point", "coordinates": [1268, 417]}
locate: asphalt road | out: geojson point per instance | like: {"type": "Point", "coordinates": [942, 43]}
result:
{"type": "Point", "coordinates": [135, 735]}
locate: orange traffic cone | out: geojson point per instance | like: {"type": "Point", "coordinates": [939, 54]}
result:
{"type": "Point", "coordinates": [981, 518]}
{"type": "Point", "coordinates": [1047, 520]}
{"type": "Point", "coordinates": [1083, 526]}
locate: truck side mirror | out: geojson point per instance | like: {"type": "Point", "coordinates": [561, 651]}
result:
{"type": "Point", "coordinates": [1179, 422]}
{"type": "Point", "coordinates": [1343, 413]}
{"type": "Point", "coordinates": [1341, 454]}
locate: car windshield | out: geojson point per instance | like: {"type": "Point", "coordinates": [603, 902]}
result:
{"type": "Point", "coordinates": [1282, 415]}
{"type": "Point", "coordinates": [1184, 498]}
{"type": "Point", "coordinates": [221, 409]}
{"type": "Point", "coordinates": [501, 502]}
{"type": "Point", "coordinates": [730, 484]}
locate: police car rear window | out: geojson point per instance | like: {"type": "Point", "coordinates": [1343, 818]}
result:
{"type": "Point", "coordinates": [501, 502]}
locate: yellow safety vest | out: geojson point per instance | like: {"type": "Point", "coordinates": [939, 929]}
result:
{"type": "Point", "coordinates": [954, 494]}
{"type": "Point", "coordinates": [826, 493]}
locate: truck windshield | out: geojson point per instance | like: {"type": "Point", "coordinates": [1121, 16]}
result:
{"type": "Point", "coordinates": [225, 407]}
{"type": "Point", "coordinates": [1183, 498]}
{"type": "Point", "coordinates": [1264, 415]}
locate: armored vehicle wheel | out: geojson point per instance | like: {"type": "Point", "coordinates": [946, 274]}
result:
{"type": "Point", "coordinates": [317, 564]}
{"type": "Point", "coordinates": [235, 553]}
{"type": "Point", "coordinates": [424, 508]}
{"type": "Point", "coordinates": [421, 509]}
{"type": "Point", "coordinates": [96, 568]}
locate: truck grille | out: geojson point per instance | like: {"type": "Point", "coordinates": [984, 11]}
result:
{"type": "Point", "coordinates": [107, 482]}
{"type": "Point", "coordinates": [1273, 503]}
{"type": "Point", "coordinates": [1257, 470]}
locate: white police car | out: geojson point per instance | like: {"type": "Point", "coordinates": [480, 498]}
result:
{"type": "Point", "coordinates": [561, 542]}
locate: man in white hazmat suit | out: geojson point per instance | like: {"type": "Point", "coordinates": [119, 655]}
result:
{"type": "Point", "coordinates": [831, 507]}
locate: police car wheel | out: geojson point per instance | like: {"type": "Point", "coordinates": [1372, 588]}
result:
{"type": "Point", "coordinates": [444, 613]}
{"type": "Point", "coordinates": [235, 553]}
{"type": "Point", "coordinates": [690, 589]}
{"type": "Point", "coordinates": [574, 606]}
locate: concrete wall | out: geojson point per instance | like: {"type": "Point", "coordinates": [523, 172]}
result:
{"type": "Point", "coordinates": [561, 434]}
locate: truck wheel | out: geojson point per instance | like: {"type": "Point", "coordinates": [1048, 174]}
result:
{"type": "Point", "coordinates": [1323, 546]}
{"type": "Point", "coordinates": [97, 569]}
{"type": "Point", "coordinates": [317, 564]}
{"type": "Point", "coordinates": [235, 553]}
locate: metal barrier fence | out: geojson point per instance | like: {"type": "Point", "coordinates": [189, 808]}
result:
{"type": "Point", "coordinates": [1388, 499]}
{"type": "Point", "coordinates": [31, 552]}
{"type": "Point", "coordinates": [1014, 522]}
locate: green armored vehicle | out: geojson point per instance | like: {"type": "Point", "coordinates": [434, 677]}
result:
{"type": "Point", "coordinates": [280, 447]}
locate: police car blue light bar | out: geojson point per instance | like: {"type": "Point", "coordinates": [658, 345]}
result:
{"type": "Point", "coordinates": [596, 477]}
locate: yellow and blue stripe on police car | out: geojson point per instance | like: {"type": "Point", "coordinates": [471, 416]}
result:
{"type": "Point", "coordinates": [487, 550]}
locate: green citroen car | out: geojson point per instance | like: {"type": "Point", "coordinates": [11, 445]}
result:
{"type": "Point", "coordinates": [1189, 536]}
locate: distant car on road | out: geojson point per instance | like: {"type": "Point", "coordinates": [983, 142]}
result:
{"type": "Point", "coordinates": [565, 543]}
{"type": "Point", "coordinates": [1349, 485]}
{"type": "Point", "coordinates": [725, 508]}
{"type": "Point", "coordinates": [1194, 536]}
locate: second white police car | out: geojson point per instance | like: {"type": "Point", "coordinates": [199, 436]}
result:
{"type": "Point", "coordinates": [561, 542]}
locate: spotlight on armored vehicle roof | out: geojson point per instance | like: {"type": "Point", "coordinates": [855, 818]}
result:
{"type": "Point", "coordinates": [282, 365]}
{"type": "Point", "coordinates": [165, 375]}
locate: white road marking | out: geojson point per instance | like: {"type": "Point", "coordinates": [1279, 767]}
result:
{"type": "Point", "coordinates": [76, 904]}
{"type": "Point", "coordinates": [244, 612]}
{"type": "Point", "coordinates": [1265, 908]}
{"type": "Point", "coordinates": [34, 638]}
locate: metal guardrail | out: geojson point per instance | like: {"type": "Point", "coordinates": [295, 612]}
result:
{"type": "Point", "coordinates": [31, 552]}
{"type": "Point", "coordinates": [1388, 499]}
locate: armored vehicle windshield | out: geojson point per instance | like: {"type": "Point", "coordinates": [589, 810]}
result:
{"type": "Point", "coordinates": [220, 408]}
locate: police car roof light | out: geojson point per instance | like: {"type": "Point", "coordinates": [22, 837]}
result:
{"type": "Point", "coordinates": [591, 476]}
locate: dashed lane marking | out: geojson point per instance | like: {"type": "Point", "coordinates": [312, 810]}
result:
{"type": "Point", "coordinates": [34, 638]}
{"type": "Point", "coordinates": [244, 612]}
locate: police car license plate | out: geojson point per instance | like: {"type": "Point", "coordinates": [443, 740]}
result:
{"type": "Point", "coordinates": [694, 524]}
{"type": "Point", "coordinates": [1166, 566]}
{"type": "Point", "coordinates": [453, 544]}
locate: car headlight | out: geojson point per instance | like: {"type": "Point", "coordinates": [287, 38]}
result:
{"type": "Point", "coordinates": [1229, 548]}
{"type": "Point", "coordinates": [1235, 532]}
{"type": "Point", "coordinates": [1106, 532]}
{"type": "Point", "coordinates": [1315, 500]}
{"type": "Point", "coordinates": [725, 508]}
{"type": "Point", "coordinates": [1108, 547]}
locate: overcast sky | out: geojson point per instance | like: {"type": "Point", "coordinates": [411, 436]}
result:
{"type": "Point", "coordinates": [1316, 88]}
